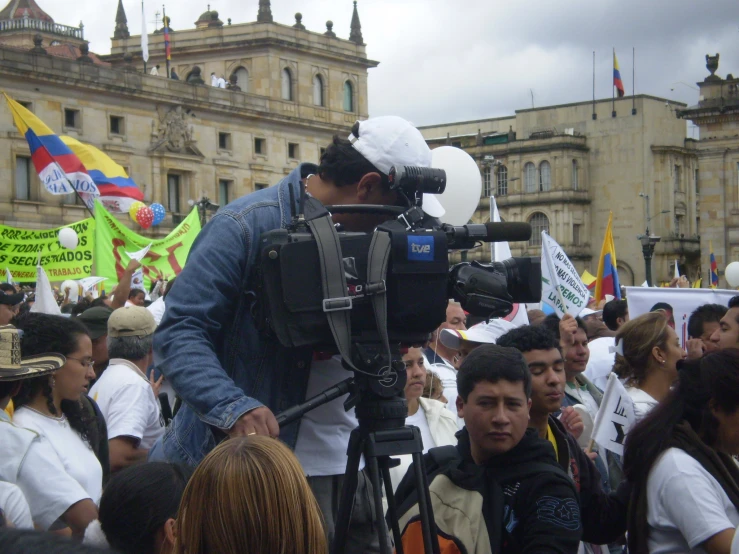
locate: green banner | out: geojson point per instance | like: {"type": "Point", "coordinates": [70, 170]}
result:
{"type": "Point", "coordinates": [165, 258]}
{"type": "Point", "coordinates": [20, 250]}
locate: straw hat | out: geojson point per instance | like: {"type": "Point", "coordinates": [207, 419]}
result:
{"type": "Point", "coordinates": [13, 367]}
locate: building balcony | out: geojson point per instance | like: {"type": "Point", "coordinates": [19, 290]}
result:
{"type": "Point", "coordinates": [28, 24]}
{"type": "Point", "coordinates": [681, 245]}
{"type": "Point", "coordinates": [539, 198]}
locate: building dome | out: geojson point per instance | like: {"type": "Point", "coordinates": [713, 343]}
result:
{"type": "Point", "coordinates": [20, 9]}
{"type": "Point", "coordinates": [209, 19]}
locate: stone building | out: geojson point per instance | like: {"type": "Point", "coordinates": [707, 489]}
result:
{"type": "Point", "coordinates": [292, 90]}
{"type": "Point", "coordinates": [717, 116]}
{"type": "Point", "coordinates": [564, 168]}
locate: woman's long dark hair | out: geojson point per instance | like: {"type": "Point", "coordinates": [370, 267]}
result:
{"type": "Point", "coordinates": [50, 333]}
{"type": "Point", "coordinates": [138, 501]}
{"type": "Point", "coordinates": [710, 382]}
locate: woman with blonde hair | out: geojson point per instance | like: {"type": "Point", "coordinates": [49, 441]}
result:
{"type": "Point", "coordinates": [647, 352]}
{"type": "Point", "coordinates": [249, 495]}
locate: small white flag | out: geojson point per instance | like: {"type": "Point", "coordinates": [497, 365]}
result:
{"type": "Point", "coordinates": [562, 287]}
{"type": "Point", "coordinates": [89, 282]}
{"type": "Point", "coordinates": [615, 417]}
{"type": "Point", "coordinates": [139, 254]}
{"type": "Point", "coordinates": [45, 301]}
{"type": "Point", "coordinates": [8, 277]}
{"type": "Point", "coordinates": [677, 271]}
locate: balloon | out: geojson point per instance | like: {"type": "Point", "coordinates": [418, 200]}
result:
{"type": "Point", "coordinates": [145, 217]}
{"type": "Point", "coordinates": [463, 184]}
{"type": "Point", "coordinates": [74, 290]}
{"type": "Point", "coordinates": [732, 274]}
{"type": "Point", "coordinates": [68, 238]}
{"type": "Point", "coordinates": [133, 210]}
{"type": "Point", "coordinates": [159, 213]}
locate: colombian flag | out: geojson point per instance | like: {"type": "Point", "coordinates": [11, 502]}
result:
{"type": "Point", "coordinates": [714, 269]}
{"type": "Point", "coordinates": [617, 82]}
{"type": "Point", "coordinates": [588, 280]}
{"type": "Point", "coordinates": [59, 169]}
{"type": "Point", "coordinates": [607, 279]}
{"type": "Point", "coordinates": [117, 190]}
{"type": "Point", "coordinates": [167, 49]}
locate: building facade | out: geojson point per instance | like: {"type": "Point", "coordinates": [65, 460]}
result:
{"type": "Point", "coordinates": [564, 168]}
{"type": "Point", "coordinates": [291, 90]}
{"type": "Point", "coordinates": [717, 116]}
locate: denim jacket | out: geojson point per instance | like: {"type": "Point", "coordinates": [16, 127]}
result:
{"type": "Point", "coordinates": [208, 346]}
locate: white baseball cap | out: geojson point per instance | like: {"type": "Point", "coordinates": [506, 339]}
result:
{"type": "Point", "coordinates": [587, 311]}
{"type": "Point", "coordinates": [389, 141]}
{"type": "Point", "coordinates": [482, 333]}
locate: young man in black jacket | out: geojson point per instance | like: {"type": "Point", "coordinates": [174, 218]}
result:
{"type": "Point", "coordinates": [603, 515]}
{"type": "Point", "coordinates": [528, 503]}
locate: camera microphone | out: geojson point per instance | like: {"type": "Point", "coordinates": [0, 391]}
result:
{"type": "Point", "coordinates": [466, 236]}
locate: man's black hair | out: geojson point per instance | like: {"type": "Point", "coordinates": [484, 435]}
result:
{"type": "Point", "coordinates": [529, 337]}
{"type": "Point", "coordinates": [707, 313]}
{"type": "Point", "coordinates": [492, 363]}
{"type": "Point", "coordinates": [612, 311]}
{"type": "Point", "coordinates": [342, 165]}
{"type": "Point", "coordinates": [7, 287]}
{"type": "Point", "coordinates": [661, 306]}
{"type": "Point", "coordinates": [133, 293]}
{"type": "Point", "coordinates": [551, 322]}
{"type": "Point", "coordinates": [23, 541]}
{"type": "Point", "coordinates": [734, 302]}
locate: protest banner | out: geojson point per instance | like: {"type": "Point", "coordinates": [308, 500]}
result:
{"type": "Point", "coordinates": [164, 259]}
{"type": "Point", "coordinates": [20, 250]}
{"type": "Point", "coordinates": [677, 303]}
{"type": "Point", "coordinates": [615, 417]}
{"type": "Point", "coordinates": [561, 286]}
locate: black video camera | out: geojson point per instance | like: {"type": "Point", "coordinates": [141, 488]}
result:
{"type": "Point", "coordinates": [416, 281]}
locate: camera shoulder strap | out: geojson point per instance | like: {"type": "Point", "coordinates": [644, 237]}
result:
{"type": "Point", "coordinates": [337, 305]}
{"type": "Point", "coordinates": [377, 264]}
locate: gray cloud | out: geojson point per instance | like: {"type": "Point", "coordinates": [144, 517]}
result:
{"type": "Point", "coordinates": [443, 60]}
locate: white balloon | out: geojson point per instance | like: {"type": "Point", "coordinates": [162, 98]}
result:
{"type": "Point", "coordinates": [68, 238]}
{"type": "Point", "coordinates": [732, 274]}
{"type": "Point", "coordinates": [463, 184]}
{"type": "Point", "coordinates": [74, 289]}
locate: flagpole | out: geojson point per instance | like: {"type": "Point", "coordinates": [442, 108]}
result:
{"type": "Point", "coordinates": [633, 80]}
{"type": "Point", "coordinates": [166, 31]}
{"type": "Point", "coordinates": [595, 116]}
{"type": "Point", "coordinates": [80, 197]}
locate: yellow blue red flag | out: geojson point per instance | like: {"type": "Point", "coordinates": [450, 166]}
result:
{"type": "Point", "coordinates": [607, 278]}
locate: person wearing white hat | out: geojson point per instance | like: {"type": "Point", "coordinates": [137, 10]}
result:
{"type": "Point", "coordinates": [232, 379]}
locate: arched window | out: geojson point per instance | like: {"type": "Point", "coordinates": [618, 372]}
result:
{"type": "Point", "coordinates": [529, 177]}
{"type": "Point", "coordinates": [545, 176]}
{"type": "Point", "coordinates": [575, 182]}
{"type": "Point", "coordinates": [317, 90]}
{"type": "Point", "coordinates": [486, 191]}
{"type": "Point", "coordinates": [539, 222]}
{"type": "Point", "coordinates": [348, 96]}
{"type": "Point", "coordinates": [502, 180]}
{"type": "Point", "coordinates": [242, 79]}
{"type": "Point", "coordinates": [287, 84]}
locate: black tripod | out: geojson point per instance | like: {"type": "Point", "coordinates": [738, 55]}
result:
{"type": "Point", "coordinates": [380, 435]}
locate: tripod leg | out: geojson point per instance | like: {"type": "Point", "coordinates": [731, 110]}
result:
{"type": "Point", "coordinates": [348, 492]}
{"type": "Point", "coordinates": [374, 474]}
{"type": "Point", "coordinates": [392, 510]}
{"type": "Point", "coordinates": [426, 512]}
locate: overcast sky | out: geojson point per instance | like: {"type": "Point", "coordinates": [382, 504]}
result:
{"type": "Point", "coordinates": [455, 60]}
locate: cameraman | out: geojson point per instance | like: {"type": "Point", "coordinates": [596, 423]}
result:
{"type": "Point", "coordinates": [233, 379]}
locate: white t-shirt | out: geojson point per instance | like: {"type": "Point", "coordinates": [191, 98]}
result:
{"type": "Point", "coordinates": [583, 395]}
{"type": "Point", "coordinates": [127, 401]}
{"type": "Point", "coordinates": [70, 456]}
{"type": "Point", "coordinates": [324, 432]}
{"type": "Point", "coordinates": [643, 403]}
{"type": "Point", "coordinates": [686, 505]}
{"type": "Point", "coordinates": [14, 506]}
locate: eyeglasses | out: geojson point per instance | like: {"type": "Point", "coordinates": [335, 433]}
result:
{"type": "Point", "coordinates": [87, 362]}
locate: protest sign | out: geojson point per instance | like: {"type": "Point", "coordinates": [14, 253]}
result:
{"type": "Point", "coordinates": [164, 259]}
{"type": "Point", "coordinates": [20, 250]}
{"type": "Point", "coordinates": [677, 303]}
{"type": "Point", "coordinates": [561, 286]}
{"type": "Point", "coordinates": [615, 417]}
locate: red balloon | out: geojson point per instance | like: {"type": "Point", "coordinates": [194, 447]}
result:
{"type": "Point", "coordinates": [145, 217]}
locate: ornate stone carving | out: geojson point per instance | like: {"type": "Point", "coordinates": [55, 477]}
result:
{"type": "Point", "coordinates": [712, 66]}
{"type": "Point", "coordinates": [172, 132]}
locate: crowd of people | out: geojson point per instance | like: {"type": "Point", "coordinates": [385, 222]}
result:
{"type": "Point", "coordinates": [144, 422]}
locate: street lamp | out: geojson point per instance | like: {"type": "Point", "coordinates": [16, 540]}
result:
{"type": "Point", "coordinates": [649, 241]}
{"type": "Point", "coordinates": [204, 206]}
